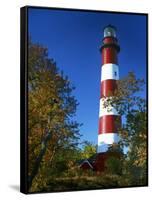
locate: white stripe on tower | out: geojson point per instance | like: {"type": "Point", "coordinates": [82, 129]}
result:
{"type": "Point", "coordinates": [104, 140]}
{"type": "Point", "coordinates": [108, 138]}
{"type": "Point", "coordinates": [106, 110]}
{"type": "Point", "coordinates": [108, 115]}
{"type": "Point", "coordinates": [109, 71]}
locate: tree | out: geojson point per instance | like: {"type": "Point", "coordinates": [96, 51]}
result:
{"type": "Point", "coordinates": [114, 165]}
{"type": "Point", "coordinates": [131, 105]}
{"type": "Point", "coordinates": [88, 150]}
{"type": "Point", "coordinates": [51, 106]}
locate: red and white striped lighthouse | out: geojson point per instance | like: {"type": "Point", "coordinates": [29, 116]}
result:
{"type": "Point", "coordinates": [109, 119]}
{"type": "Point", "coordinates": [108, 123]}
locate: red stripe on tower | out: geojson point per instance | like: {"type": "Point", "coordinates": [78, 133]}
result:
{"type": "Point", "coordinates": [109, 124]}
{"type": "Point", "coordinates": [108, 88]}
{"type": "Point", "coordinates": [109, 120]}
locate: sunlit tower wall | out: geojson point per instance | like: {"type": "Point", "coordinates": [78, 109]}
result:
{"type": "Point", "coordinates": [108, 115]}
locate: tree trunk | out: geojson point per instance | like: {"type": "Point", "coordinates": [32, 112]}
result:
{"type": "Point", "coordinates": [39, 159]}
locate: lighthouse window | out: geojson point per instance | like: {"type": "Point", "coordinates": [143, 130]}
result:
{"type": "Point", "coordinates": [115, 73]}
{"type": "Point", "coordinates": [108, 33]}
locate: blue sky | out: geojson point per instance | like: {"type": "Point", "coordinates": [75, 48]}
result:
{"type": "Point", "coordinates": [73, 39]}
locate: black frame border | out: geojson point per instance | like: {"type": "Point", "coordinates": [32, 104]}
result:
{"type": "Point", "coordinates": [23, 100]}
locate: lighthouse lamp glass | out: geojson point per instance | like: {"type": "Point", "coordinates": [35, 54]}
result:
{"type": "Point", "coordinates": [109, 32]}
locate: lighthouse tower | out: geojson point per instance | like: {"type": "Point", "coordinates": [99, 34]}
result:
{"type": "Point", "coordinates": [108, 115]}
{"type": "Point", "coordinates": [109, 119]}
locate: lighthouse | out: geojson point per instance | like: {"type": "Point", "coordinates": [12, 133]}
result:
{"type": "Point", "coordinates": [108, 115]}
{"type": "Point", "coordinates": [109, 118]}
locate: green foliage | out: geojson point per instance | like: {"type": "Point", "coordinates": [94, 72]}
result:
{"type": "Point", "coordinates": [114, 165]}
{"type": "Point", "coordinates": [88, 150]}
